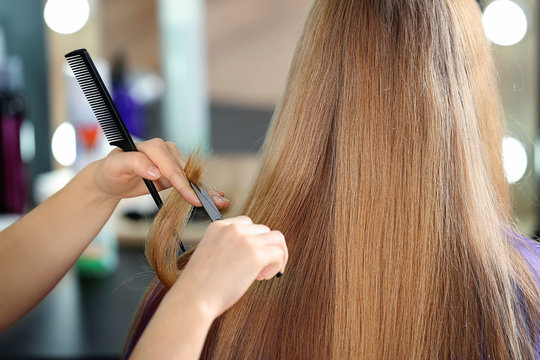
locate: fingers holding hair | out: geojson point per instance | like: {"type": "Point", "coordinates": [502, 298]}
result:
{"type": "Point", "coordinates": [170, 167]}
{"type": "Point", "coordinates": [170, 163]}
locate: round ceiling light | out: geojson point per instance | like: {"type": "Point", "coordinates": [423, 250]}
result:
{"type": "Point", "coordinates": [66, 16]}
{"type": "Point", "coordinates": [504, 22]}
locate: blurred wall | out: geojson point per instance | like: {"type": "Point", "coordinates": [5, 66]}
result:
{"type": "Point", "coordinates": [131, 29]}
{"type": "Point", "coordinates": [250, 46]}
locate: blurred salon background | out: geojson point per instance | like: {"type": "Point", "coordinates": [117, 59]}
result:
{"type": "Point", "coordinates": [195, 72]}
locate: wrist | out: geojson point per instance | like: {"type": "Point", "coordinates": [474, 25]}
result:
{"type": "Point", "coordinates": [178, 328]}
{"type": "Point", "coordinates": [189, 299]}
{"type": "Point", "coordinates": [87, 180]}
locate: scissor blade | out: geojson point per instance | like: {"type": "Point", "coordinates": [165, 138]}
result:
{"type": "Point", "coordinates": [207, 203]}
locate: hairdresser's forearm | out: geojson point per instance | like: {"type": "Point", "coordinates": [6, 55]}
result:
{"type": "Point", "coordinates": [177, 330]}
{"type": "Point", "coordinates": [39, 249]}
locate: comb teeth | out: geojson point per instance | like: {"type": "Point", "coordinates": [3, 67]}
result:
{"type": "Point", "coordinates": [95, 98]}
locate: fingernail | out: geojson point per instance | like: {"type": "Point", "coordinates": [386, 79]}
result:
{"type": "Point", "coordinates": [217, 199]}
{"type": "Point", "coordinates": [213, 188]}
{"type": "Point", "coordinates": [279, 274]}
{"type": "Point", "coordinates": [153, 171]}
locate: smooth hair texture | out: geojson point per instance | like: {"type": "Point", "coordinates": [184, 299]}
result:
{"type": "Point", "coordinates": [163, 242]}
{"type": "Point", "coordinates": [383, 170]}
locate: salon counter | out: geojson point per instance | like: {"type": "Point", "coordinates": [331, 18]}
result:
{"type": "Point", "coordinates": [82, 318]}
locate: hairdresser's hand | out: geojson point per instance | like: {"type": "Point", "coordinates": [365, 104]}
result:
{"type": "Point", "coordinates": [231, 255]}
{"type": "Point", "coordinates": [119, 174]}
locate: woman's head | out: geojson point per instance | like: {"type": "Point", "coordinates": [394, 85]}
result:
{"type": "Point", "coordinates": [383, 169]}
{"type": "Point", "coordinates": [375, 79]}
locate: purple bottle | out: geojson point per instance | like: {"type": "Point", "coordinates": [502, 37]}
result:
{"type": "Point", "coordinates": [130, 111]}
{"type": "Point", "coordinates": [13, 196]}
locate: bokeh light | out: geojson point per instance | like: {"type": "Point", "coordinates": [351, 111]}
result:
{"type": "Point", "coordinates": [514, 159]}
{"type": "Point", "coordinates": [66, 16]}
{"type": "Point", "coordinates": [64, 144]}
{"type": "Point", "coordinates": [504, 22]}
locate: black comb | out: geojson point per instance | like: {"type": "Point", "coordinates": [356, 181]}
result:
{"type": "Point", "coordinates": [103, 107]}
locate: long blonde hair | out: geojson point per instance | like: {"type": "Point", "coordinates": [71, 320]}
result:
{"type": "Point", "coordinates": [382, 168]}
